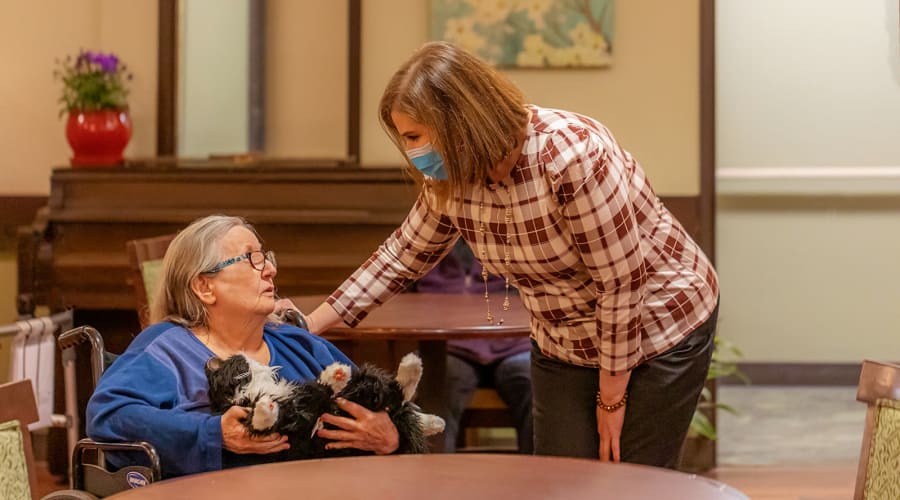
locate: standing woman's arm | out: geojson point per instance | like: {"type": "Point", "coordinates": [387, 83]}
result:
{"type": "Point", "coordinates": [322, 318]}
{"type": "Point", "coordinates": [406, 255]}
{"type": "Point", "coordinates": [598, 210]}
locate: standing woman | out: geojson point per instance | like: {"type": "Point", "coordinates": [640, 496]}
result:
{"type": "Point", "coordinates": [623, 303]}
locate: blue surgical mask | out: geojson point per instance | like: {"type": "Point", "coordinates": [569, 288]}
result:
{"type": "Point", "coordinates": [428, 161]}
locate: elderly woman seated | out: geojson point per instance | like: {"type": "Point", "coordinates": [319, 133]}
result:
{"type": "Point", "coordinates": [217, 298]}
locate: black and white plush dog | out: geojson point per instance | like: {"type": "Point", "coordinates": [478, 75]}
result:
{"type": "Point", "coordinates": [294, 409]}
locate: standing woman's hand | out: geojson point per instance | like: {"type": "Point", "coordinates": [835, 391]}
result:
{"type": "Point", "coordinates": [609, 426]}
{"type": "Point", "coordinates": [611, 398]}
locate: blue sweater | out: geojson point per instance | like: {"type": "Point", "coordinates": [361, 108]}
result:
{"type": "Point", "coordinates": [156, 391]}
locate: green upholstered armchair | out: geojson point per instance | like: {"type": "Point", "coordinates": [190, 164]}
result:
{"type": "Point", "coordinates": [17, 476]}
{"type": "Point", "coordinates": [878, 476]}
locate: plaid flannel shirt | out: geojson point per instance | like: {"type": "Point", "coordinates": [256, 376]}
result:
{"type": "Point", "coordinates": [609, 276]}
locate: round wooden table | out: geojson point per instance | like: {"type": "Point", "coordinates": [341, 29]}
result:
{"type": "Point", "coordinates": [429, 316]}
{"type": "Point", "coordinates": [440, 476]}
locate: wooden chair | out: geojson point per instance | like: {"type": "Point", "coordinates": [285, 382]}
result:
{"type": "Point", "coordinates": [877, 476]}
{"type": "Point", "coordinates": [145, 262]}
{"type": "Point", "coordinates": [485, 410]}
{"type": "Point", "coordinates": [19, 481]}
{"type": "Point", "coordinates": [33, 357]}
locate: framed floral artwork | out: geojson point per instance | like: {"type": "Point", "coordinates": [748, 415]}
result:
{"type": "Point", "coordinates": [528, 33]}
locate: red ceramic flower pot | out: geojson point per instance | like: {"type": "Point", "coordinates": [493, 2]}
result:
{"type": "Point", "coordinates": [98, 138]}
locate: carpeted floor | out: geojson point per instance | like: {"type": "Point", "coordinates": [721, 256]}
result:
{"type": "Point", "coordinates": [786, 425]}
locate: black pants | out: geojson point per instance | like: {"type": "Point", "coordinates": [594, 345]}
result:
{"type": "Point", "coordinates": [662, 396]}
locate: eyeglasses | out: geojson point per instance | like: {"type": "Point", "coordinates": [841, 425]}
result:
{"type": "Point", "coordinates": [257, 258]}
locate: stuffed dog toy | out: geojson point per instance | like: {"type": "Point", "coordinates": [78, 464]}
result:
{"type": "Point", "coordinates": [293, 409]}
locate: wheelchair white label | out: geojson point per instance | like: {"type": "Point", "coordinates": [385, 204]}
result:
{"type": "Point", "coordinates": [136, 479]}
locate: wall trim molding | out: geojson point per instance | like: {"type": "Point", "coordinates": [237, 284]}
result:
{"type": "Point", "coordinates": [808, 180]}
{"type": "Point", "coordinates": [810, 172]}
{"type": "Point", "coordinates": [842, 374]}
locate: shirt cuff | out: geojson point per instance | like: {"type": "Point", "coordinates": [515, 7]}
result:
{"type": "Point", "coordinates": [619, 365]}
{"type": "Point", "coordinates": [342, 306]}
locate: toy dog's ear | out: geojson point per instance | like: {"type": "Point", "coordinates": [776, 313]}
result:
{"type": "Point", "coordinates": [213, 365]}
{"type": "Point", "coordinates": [409, 374]}
{"type": "Point", "coordinates": [218, 388]}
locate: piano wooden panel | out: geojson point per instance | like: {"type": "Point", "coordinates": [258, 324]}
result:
{"type": "Point", "coordinates": [323, 222]}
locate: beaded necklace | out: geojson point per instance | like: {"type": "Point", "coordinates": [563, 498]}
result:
{"type": "Point", "coordinates": [506, 258]}
{"type": "Point", "coordinates": [507, 240]}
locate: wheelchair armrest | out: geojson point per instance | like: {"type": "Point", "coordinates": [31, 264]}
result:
{"type": "Point", "coordinates": [78, 466]}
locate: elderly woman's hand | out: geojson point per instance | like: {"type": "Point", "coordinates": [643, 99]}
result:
{"type": "Point", "coordinates": [235, 437]}
{"type": "Point", "coordinates": [367, 430]}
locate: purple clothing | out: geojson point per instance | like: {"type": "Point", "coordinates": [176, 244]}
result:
{"type": "Point", "coordinates": [450, 276]}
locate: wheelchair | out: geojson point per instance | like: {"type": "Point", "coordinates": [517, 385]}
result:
{"type": "Point", "coordinates": [90, 478]}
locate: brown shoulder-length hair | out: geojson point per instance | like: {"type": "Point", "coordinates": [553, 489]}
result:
{"type": "Point", "coordinates": [474, 113]}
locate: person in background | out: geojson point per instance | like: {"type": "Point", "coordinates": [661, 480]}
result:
{"type": "Point", "coordinates": [623, 302]}
{"type": "Point", "coordinates": [503, 364]}
{"type": "Point", "coordinates": [217, 298]}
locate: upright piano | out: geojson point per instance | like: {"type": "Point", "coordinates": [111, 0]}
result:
{"type": "Point", "coordinates": [322, 221]}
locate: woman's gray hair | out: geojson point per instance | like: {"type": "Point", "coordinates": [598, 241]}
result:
{"type": "Point", "coordinates": [195, 250]}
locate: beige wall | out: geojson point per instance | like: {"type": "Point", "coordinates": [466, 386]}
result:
{"type": "Point", "coordinates": [808, 214]}
{"type": "Point", "coordinates": [649, 97]}
{"type": "Point", "coordinates": [32, 35]}
{"type": "Point", "coordinates": [804, 278]}
{"type": "Point", "coordinates": [811, 278]}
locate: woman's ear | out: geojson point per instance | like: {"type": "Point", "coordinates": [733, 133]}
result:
{"type": "Point", "coordinates": [203, 288]}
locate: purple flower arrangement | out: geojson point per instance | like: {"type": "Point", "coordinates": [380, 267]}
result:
{"type": "Point", "coordinates": [92, 81]}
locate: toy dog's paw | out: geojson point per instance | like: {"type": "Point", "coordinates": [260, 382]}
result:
{"type": "Point", "coordinates": [408, 375]}
{"type": "Point", "coordinates": [265, 414]}
{"type": "Point", "coordinates": [431, 424]}
{"type": "Point", "coordinates": [336, 376]}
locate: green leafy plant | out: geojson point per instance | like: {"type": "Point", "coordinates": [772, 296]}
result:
{"type": "Point", "coordinates": [92, 81]}
{"type": "Point", "coordinates": [724, 363]}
